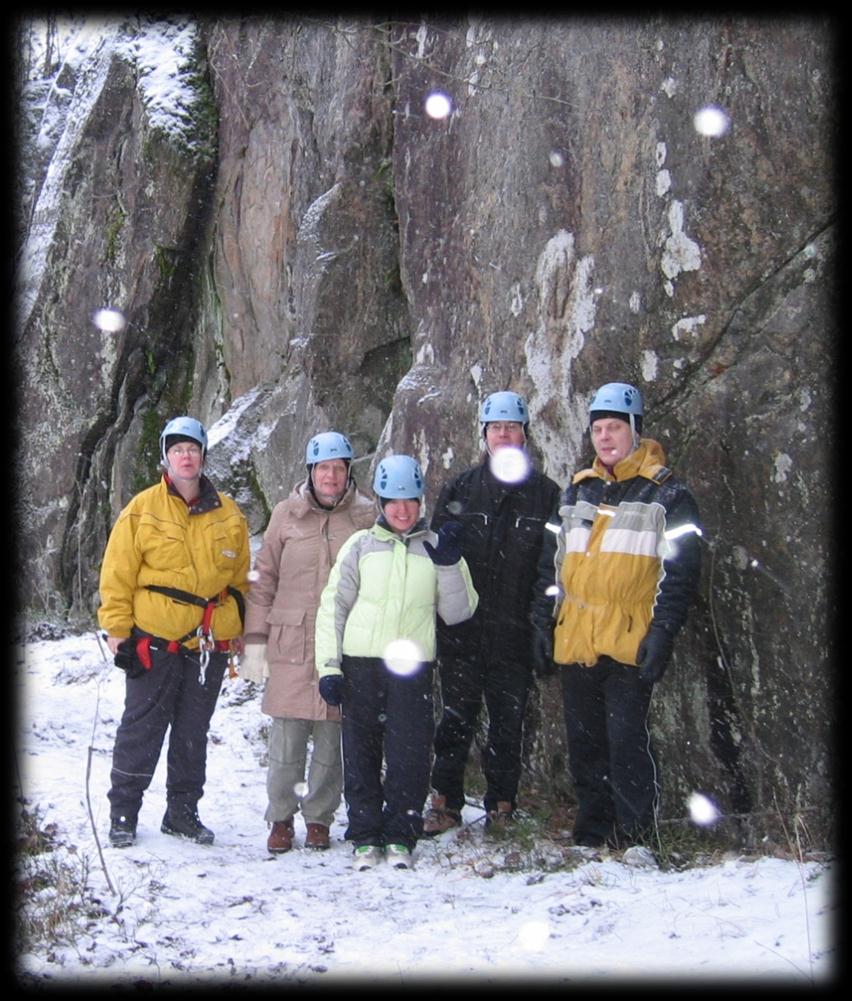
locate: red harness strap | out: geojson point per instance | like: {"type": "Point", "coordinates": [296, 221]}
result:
{"type": "Point", "coordinates": [222, 646]}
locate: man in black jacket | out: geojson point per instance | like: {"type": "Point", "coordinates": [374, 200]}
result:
{"type": "Point", "coordinates": [503, 504]}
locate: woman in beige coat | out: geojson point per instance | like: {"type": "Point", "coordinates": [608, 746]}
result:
{"type": "Point", "coordinates": [300, 545]}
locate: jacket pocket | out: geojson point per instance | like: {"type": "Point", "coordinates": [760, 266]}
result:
{"type": "Point", "coordinates": [162, 545]}
{"type": "Point", "coordinates": [287, 635]}
{"type": "Point", "coordinates": [225, 549]}
{"type": "Point", "coordinates": [528, 531]}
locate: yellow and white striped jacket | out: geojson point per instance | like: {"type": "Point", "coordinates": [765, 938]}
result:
{"type": "Point", "coordinates": [627, 553]}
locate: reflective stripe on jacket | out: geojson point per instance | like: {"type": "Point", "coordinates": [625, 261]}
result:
{"type": "Point", "coordinates": [384, 587]}
{"type": "Point", "coordinates": [160, 539]}
{"type": "Point", "coordinates": [616, 565]}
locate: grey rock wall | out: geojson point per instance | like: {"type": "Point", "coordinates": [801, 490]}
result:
{"type": "Point", "coordinates": [317, 251]}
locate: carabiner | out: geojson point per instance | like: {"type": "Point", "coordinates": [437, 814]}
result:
{"type": "Point", "coordinates": [206, 644]}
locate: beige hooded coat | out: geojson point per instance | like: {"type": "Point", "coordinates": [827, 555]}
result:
{"type": "Point", "coordinates": [299, 548]}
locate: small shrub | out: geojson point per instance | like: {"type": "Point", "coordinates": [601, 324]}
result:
{"type": "Point", "coordinates": [53, 898]}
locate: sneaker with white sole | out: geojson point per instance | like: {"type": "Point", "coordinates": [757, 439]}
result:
{"type": "Point", "coordinates": [399, 856]}
{"type": "Point", "coordinates": [366, 857]}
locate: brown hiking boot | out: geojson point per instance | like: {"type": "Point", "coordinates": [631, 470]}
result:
{"type": "Point", "coordinates": [280, 837]}
{"type": "Point", "coordinates": [317, 836]}
{"type": "Point", "coordinates": [439, 817]}
{"type": "Point", "coordinates": [498, 820]}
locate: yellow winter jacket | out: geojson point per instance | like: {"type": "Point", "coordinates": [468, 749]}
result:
{"type": "Point", "coordinates": [159, 539]}
{"type": "Point", "coordinates": [614, 567]}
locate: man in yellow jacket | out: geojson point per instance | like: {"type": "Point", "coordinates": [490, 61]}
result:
{"type": "Point", "coordinates": [623, 563]}
{"type": "Point", "coordinates": [172, 584]}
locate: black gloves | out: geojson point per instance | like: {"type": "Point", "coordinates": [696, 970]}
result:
{"type": "Point", "coordinates": [447, 552]}
{"type": "Point", "coordinates": [331, 689]}
{"type": "Point", "coordinates": [655, 652]}
{"type": "Point", "coordinates": [133, 656]}
{"type": "Point", "coordinates": [542, 652]}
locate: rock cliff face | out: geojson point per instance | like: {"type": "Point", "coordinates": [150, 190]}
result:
{"type": "Point", "coordinates": [296, 245]}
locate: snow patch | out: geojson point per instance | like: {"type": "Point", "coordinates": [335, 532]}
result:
{"type": "Point", "coordinates": [164, 53]}
{"type": "Point", "coordinates": [566, 314]}
{"type": "Point", "coordinates": [783, 465]}
{"type": "Point", "coordinates": [45, 215]}
{"type": "Point", "coordinates": [309, 226]}
{"type": "Point", "coordinates": [425, 355]}
{"type": "Point", "coordinates": [223, 914]}
{"type": "Point", "coordinates": [688, 325]}
{"type": "Point", "coordinates": [421, 451]}
{"type": "Point", "coordinates": [226, 426]}
{"type": "Point", "coordinates": [108, 356]}
{"type": "Point", "coordinates": [517, 303]}
{"type": "Point", "coordinates": [681, 253]}
{"type": "Point", "coordinates": [649, 366]}
{"type": "Point", "coordinates": [556, 268]}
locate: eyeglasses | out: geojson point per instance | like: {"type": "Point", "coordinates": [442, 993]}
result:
{"type": "Point", "coordinates": [193, 450]}
{"type": "Point", "coordinates": [503, 426]}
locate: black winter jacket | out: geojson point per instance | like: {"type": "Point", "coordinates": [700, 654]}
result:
{"type": "Point", "coordinates": [503, 529]}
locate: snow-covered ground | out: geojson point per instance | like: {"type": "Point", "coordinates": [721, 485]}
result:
{"type": "Point", "coordinates": [181, 914]}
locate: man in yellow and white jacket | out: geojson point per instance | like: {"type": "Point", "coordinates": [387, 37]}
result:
{"type": "Point", "coordinates": [624, 562]}
{"type": "Point", "coordinates": [375, 652]}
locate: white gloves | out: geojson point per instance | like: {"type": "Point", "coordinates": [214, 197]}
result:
{"type": "Point", "coordinates": [253, 663]}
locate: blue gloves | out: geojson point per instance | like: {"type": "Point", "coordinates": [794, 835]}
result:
{"type": "Point", "coordinates": [331, 689]}
{"type": "Point", "coordinates": [448, 551]}
{"type": "Point", "coordinates": [655, 652]}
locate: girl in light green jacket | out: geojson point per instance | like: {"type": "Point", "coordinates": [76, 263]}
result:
{"type": "Point", "coordinates": [375, 652]}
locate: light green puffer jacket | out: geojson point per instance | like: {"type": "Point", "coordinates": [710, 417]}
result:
{"type": "Point", "coordinates": [384, 587]}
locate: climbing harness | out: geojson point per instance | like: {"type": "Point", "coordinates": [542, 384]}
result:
{"type": "Point", "coordinates": [207, 642]}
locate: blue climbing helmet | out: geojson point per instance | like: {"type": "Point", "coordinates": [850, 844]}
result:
{"type": "Point", "coordinates": [328, 445]}
{"type": "Point", "coordinates": [182, 429]}
{"type": "Point", "coordinates": [618, 399]}
{"type": "Point", "coordinates": [504, 406]}
{"type": "Point", "coordinates": [398, 477]}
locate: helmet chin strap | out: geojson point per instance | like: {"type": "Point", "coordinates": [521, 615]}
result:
{"type": "Point", "coordinates": [633, 432]}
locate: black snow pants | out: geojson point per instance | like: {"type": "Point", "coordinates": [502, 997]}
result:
{"type": "Point", "coordinates": [387, 718]}
{"type": "Point", "coordinates": [609, 747]}
{"type": "Point", "coordinates": [464, 684]}
{"type": "Point", "coordinates": [169, 694]}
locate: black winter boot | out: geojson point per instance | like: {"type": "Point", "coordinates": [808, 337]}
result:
{"type": "Point", "coordinates": [183, 822]}
{"type": "Point", "coordinates": [122, 831]}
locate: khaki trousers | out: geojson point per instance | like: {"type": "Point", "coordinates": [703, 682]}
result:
{"type": "Point", "coordinates": [288, 787]}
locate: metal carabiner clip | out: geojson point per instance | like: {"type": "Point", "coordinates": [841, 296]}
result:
{"type": "Point", "coordinates": [206, 644]}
